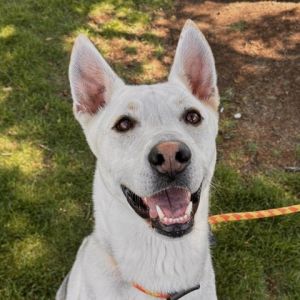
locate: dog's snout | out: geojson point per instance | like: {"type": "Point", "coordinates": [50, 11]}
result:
{"type": "Point", "coordinates": [170, 157]}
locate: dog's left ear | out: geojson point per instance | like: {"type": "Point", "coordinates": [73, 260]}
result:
{"type": "Point", "coordinates": [194, 65]}
{"type": "Point", "coordinates": [92, 80]}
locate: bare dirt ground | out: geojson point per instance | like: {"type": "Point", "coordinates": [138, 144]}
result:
{"type": "Point", "coordinates": [257, 51]}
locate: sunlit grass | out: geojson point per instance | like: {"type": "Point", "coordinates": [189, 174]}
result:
{"type": "Point", "coordinates": [23, 155]}
{"type": "Point", "coordinates": [7, 31]}
{"type": "Point", "coordinates": [28, 250]}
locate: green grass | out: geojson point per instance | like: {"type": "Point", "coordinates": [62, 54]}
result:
{"type": "Point", "coordinates": [298, 152]}
{"type": "Point", "coordinates": [251, 147]}
{"type": "Point", "coordinates": [257, 259]}
{"type": "Point", "coordinates": [240, 26]}
{"type": "Point", "coordinates": [130, 50]}
{"type": "Point", "coordinates": [46, 167]}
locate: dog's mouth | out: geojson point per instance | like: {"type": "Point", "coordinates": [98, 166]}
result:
{"type": "Point", "coordinates": [170, 211]}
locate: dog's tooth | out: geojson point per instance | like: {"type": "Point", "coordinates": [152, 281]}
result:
{"type": "Point", "coordinates": [159, 212]}
{"type": "Point", "coordinates": [185, 217]}
{"type": "Point", "coordinates": [165, 219]}
{"type": "Point", "coordinates": [189, 209]}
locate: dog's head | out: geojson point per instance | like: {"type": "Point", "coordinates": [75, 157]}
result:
{"type": "Point", "coordinates": [155, 144]}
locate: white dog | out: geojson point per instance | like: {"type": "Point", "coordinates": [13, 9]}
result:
{"type": "Point", "coordinates": [156, 153]}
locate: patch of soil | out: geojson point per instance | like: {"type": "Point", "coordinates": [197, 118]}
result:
{"type": "Point", "coordinates": [257, 52]}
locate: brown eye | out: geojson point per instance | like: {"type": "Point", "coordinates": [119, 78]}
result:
{"type": "Point", "coordinates": [193, 117]}
{"type": "Point", "coordinates": [124, 124]}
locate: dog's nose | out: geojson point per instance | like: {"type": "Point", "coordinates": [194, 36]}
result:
{"type": "Point", "coordinates": [170, 157]}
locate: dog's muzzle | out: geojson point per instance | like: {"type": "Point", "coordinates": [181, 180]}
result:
{"type": "Point", "coordinates": [170, 211]}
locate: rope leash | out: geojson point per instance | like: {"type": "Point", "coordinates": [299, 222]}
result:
{"type": "Point", "coordinates": [229, 217]}
{"type": "Point", "coordinates": [251, 215]}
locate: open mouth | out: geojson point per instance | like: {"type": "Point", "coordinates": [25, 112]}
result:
{"type": "Point", "coordinates": [170, 211]}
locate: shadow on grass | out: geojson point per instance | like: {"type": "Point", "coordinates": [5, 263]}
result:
{"type": "Point", "coordinates": [43, 215]}
{"type": "Point", "coordinates": [43, 220]}
{"type": "Point", "coordinates": [258, 257]}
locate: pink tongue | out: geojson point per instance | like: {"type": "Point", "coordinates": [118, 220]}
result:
{"type": "Point", "coordinates": [173, 202]}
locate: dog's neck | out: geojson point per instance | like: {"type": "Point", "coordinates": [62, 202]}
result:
{"type": "Point", "coordinates": [144, 256]}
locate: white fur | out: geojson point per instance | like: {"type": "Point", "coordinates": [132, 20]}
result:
{"type": "Point", "coordinates": [123, 248]}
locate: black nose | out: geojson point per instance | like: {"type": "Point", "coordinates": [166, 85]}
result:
{"type": "Point", "coordinates": [170, 157]}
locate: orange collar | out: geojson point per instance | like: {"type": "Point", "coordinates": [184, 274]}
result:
{"type": "Point", "coordinates": [153, 294]}
{"type": "Point", "coordinates": [173, 296]}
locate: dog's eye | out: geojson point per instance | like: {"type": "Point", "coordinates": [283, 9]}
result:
{"type": "Point", "coordinates": [124, 124]}
{"type": "Point", "coordinates": [192, 117]}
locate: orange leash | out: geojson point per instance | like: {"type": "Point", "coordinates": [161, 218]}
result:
{"type": "Point", "coordinates": [230, 217]}
{"type": "Point", "coordinates": [260, 214]}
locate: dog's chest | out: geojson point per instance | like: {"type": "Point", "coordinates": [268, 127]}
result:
{"type": "Point", "coordinates": [161, 266]}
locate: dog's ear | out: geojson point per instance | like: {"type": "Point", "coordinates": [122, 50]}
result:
{"type": "Point", "coordinates": [91, 78]}
{"type": "Point", "coordinates": [194, 65]}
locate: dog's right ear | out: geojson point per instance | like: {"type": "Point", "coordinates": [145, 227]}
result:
{"type": "Point", "coordinates": [92, 80]}
{"type": "Point", "coordinates": [194, 65]}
